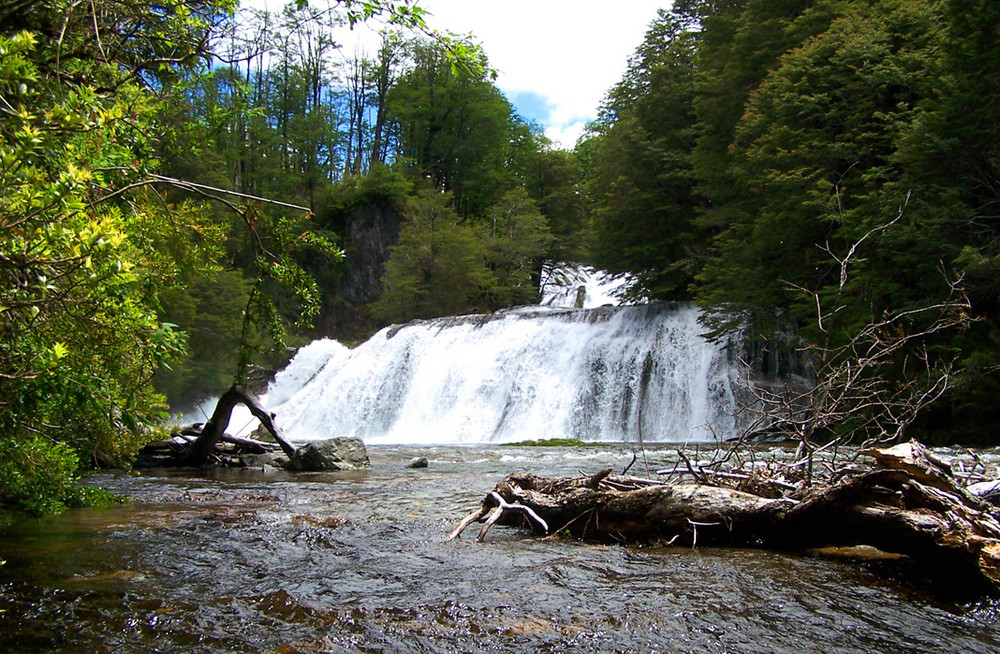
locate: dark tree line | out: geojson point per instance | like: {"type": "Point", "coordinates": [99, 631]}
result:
{"type": "Point", "coordinates": [816, 166]}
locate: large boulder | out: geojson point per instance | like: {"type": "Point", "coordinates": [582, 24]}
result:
{"type": "Point", "coordinates": [344, 453]}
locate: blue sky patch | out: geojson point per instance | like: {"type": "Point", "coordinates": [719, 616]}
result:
{"type": "Point", "coordinates": [533, 107]}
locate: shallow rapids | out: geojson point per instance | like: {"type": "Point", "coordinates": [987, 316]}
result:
{"type": "Point", "coordinates": [357, 562]}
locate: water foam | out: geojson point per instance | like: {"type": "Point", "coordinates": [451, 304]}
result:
{"type": "Point", "coordinates": [599, 375]}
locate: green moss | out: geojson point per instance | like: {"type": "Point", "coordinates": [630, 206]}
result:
{"type": "Point", "coordinates": [552, 442]}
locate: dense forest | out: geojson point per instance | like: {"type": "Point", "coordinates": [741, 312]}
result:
{"type": "Point", "coordinates": [827, 169]}
{"type": "Point", "coordinates": [188, 189]}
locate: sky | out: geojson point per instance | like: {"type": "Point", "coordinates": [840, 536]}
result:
{"type": "Point", "coordinates": [556, 59]}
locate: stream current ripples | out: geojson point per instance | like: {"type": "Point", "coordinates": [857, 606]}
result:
{"type": "Point", "coordinates": [358, 562]}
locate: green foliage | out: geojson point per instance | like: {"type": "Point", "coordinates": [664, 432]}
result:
{"type": "Point", "coordinates": [79, 271]}
{"type": "Point", "coordinates": [817, 167]}
{"type": "Point", "coordinates": [37, 476]}
{"type": "Point", "coordinates": [740, 42]}
{"type": "Point", "coordinates": [454, 127]}
{"type": "Point", "coordinates": [553, 179]}
{"type": "Point", "coordinates": [519, 239]}
{"type": "Point", "coordinates": [94, 497]}
{"type": "Point", "coordinates": [438, 267]}
{"type": "Point", "coordinates": [40, 477]}
{"type": "Point", "coordinates": [210, 309]}
{"type": "Point", "coordinates": [382, 186]}
{"type": "Point", "coordinates": [814, 152]}
{"type": "Point", "coordinates": [641, 183]}
{"type": "Point", "coordinates": [445, 266]}
{"type": "Point", "coordinates": [288, 118]}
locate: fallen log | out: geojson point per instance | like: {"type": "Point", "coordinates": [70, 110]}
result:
{"type": "Point", "coordinates": [208, 444]}
{"type": "Point", "coordinates": [902, 510]}
{"type": "Point", "coordinates": [200, 451]}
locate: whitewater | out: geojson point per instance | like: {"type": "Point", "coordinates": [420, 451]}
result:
{"type": "Point", "coordinates": [604, 374]}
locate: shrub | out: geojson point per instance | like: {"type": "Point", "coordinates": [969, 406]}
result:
{"type": "Point", "coordinates": [38, 476]}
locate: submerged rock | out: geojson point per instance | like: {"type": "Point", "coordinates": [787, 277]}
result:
{"type": "Point", "coordinates": [268, 462]}
{"type": "Point", "coordinates": [343, 453]}
{"type": "Point", "coordinates": [417, 462]}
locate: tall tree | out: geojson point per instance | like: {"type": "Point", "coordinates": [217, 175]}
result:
{"type": "Point", "coordinates": [455, 127]}
{"type": "Point", "coordinates": [554, 180]}
{"type": "Point", "coordinates": [385, 74]}
{"type": "Point", "coordinates": [518, 242]}
{"type": "Point", "coordinates": [438, 267]}
{"type": "Point", "coordinates": [641, 183]}
{"type": "Point", "coordinates": [951, 154]}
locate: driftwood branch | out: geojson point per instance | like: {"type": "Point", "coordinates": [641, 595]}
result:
{"type": "Point", "coordinates": [499, 508]}
{"type": "Point", "coordinates": [905, 504]}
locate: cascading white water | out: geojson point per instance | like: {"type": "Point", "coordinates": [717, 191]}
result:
{"type": "Point", "coordinates": [597, 374]}
{"type": "Point", "coordinates": [571, 285]}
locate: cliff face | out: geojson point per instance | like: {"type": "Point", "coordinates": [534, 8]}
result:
{"type": "Point", "coordinates": [367, 232]}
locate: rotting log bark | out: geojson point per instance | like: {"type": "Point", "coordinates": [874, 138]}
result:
{"type": "Point", "coordinates": [901, 509]}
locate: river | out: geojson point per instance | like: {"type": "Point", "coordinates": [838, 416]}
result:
{"type": "Point", "coordinates": [358, 562]}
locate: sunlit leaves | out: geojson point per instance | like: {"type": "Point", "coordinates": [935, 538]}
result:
{"type": "Point", "coordinates": [79, 266]}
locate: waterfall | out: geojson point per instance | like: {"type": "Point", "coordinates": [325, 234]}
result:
{"type": "Point", "coordinates": [535, 372]}
{"type": "Point", "coordinates": [572, 285]}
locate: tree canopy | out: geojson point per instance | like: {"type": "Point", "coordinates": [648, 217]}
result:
{"type": "Point", "coordinates": [819, 187]}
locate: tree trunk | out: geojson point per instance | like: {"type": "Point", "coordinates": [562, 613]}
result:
{"type": "Point", "coordinates": [212, 432]}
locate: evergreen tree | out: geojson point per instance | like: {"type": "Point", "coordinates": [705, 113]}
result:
{"type": "Point", "coordinates": [641, 185]}
{"type": "Point", "coordinates": [815, 155]}
{"type": "Point", "coordinates": [519, 239]}
{"type": "Point", "coordinates": [740, 42]}
{"type": "Point", "coordinates": [438, 268]}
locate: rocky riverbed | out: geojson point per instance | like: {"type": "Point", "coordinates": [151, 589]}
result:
{"type": "Point", "coordinates": [358, 562]}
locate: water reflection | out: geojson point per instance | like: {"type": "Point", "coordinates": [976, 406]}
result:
{"type": "Point", "coordinates": [242, 562]}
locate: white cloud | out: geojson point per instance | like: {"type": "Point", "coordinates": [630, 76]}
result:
{"type": "Point", "coordinates": [570, 52]}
